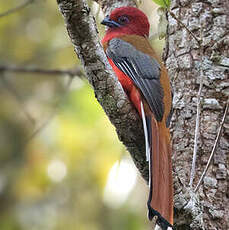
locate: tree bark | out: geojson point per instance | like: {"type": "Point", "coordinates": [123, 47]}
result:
{"type": "Point", "coordinates": [188, 62]}
{"type": "Point", "coordinates": [185, 59]}
{"type": "Point", "coordinates": [82, 30]}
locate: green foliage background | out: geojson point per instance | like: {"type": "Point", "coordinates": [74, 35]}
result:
{"type": "Point", "coordinates": [77, 133]}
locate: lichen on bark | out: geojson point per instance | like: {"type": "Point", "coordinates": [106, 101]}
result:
{"type": "Point", "coordinates": [208, 21]}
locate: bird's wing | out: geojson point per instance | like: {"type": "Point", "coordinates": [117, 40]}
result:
{"type": "Point", "coordinates": [142, 69]}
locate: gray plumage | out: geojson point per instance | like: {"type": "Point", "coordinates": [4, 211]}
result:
{"type": "Point", "coordinates": [143, 70]}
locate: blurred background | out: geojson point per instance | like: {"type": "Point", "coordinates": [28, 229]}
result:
{"type": "Point", "coordinates": [61, 163]}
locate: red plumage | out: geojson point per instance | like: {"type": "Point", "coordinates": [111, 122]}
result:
{"type": "Point", "coordinates": [139, 24]}
{"type": "Point", "coordinates": [145, 81]}
{"type": "Point", "coordinates": [128, 86]}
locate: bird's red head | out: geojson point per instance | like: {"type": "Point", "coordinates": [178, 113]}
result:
{"type": "Point", "coordinates": [126, 21]}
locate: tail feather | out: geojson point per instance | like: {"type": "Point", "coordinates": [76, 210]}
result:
{"type": "Point", "coordinates": [147, 136]}
{"type": "Point", "coordinates": [160, 201]}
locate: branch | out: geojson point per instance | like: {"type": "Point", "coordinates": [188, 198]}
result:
{"type": "Point", "coordinates": [198, 111]}
{"type": "Point", "coordinates": [71, 73]}
{"type": "Point", "coordinates": [17, 8]}
{"type": "Point", "coordinates": [183, 25]}
{"type": "Point", "coordinates": [214, 147]}
{"type": "Point", "coordinates": [108, 91]}
{"type": "Point", "coordinates": [10, 88]}
{"type": "Point", "coordinates": [37, 130]}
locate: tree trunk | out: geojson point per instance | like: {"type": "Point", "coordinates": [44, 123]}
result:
{"type": "Point", "coordinates": [82, 30]}
{"type": "Point", "coordinates": [188, 62]}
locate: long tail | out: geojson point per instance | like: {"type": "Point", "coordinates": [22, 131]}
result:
{"type": "Point", "coordinates": [160, 202]}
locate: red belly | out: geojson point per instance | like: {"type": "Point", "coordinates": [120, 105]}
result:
{"type": "Point", "coordinates": [128, 85]}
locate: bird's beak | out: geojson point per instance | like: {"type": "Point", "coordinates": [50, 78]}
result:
{"type": "Point", "coordinates": [107, 22]}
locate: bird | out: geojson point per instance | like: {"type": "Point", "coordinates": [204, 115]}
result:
{"type": "Point", "coordinates": [145, 80]}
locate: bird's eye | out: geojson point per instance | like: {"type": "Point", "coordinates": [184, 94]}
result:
{"type": "Point", "coordinates": [123, 20]}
